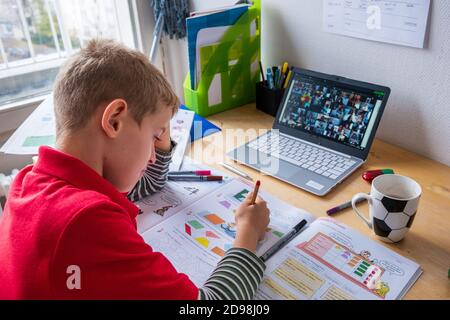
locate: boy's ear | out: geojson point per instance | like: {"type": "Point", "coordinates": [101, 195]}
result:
{"type": "Point", "coordinates": [113, 117]}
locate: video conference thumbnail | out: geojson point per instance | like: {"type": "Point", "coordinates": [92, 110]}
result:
{"type": "Point", "coordinates": [338, 114]}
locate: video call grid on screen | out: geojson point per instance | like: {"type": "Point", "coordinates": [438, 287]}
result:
{"type": "Point", "coordinates": [328, 109]}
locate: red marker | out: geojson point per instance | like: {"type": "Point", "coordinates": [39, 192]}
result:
{"type": "Point", "coordinates": [372, 174]}
{"type": "Point", "coordinates": [197, 173]}
{"type": "Point", "coordinates": [255, 191]}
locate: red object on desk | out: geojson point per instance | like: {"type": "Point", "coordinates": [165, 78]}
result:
{"type": "Point", "coordinates": [372, 174]}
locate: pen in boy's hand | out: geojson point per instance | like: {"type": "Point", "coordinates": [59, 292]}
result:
{"type": "Point", "coordinates": [238, 172]}
{"type": "Point", "coordinates": [255, 192]}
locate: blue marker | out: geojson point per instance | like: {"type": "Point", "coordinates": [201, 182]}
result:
{"type": "Point", "coordinates": [270, 78]}
{"type": "Point", "coordinates": [277, 78]}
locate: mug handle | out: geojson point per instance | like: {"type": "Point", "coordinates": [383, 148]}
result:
{"type": "Point", "coordinates": [356, 198]}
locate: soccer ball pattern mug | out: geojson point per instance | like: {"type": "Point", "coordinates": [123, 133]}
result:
{"type": "Point", "coordinates": [393, 203]}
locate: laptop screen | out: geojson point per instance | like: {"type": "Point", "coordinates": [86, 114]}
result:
{"type": "Point", "coordinates": [332, 110]}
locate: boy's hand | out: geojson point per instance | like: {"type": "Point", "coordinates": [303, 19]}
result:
{"type": "Point", "coordinates": [163, 144]}
{"type": "Point", "coordinates": [251, 222]}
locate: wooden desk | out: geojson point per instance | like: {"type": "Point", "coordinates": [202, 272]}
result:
{"type": "Point", "coordinates": [428, 241]}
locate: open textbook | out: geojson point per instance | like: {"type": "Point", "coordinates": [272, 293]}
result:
{"type": "Point", "coordinates": [192, 224]}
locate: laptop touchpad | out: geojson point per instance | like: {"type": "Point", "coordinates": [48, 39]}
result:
{"type": "Point", "coordinates": [281, 169]}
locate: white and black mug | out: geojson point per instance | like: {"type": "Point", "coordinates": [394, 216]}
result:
{"type": "Point", "coordinates": [393, 203]}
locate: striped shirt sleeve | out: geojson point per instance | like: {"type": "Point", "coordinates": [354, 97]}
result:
{"type": "Point", "coordinates": [155, 175]}
{"type": "Point", "coordinates": [236, 277]}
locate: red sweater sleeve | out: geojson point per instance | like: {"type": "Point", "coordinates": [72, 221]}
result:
{"type": "Point", "coordinates": [114, 261]}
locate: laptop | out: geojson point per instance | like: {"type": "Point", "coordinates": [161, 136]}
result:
{"type": "Point", "coordinates": [323, 131]}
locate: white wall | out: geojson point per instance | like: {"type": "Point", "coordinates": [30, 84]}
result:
{"type": "Point", "coordinates": [417, 116]}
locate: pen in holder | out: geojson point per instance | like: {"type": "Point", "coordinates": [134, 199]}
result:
{"type": "Point", "coordinates": [268, 100]}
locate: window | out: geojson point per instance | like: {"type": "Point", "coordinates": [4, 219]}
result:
{"type": "Point", "coordinates": [37, 35]}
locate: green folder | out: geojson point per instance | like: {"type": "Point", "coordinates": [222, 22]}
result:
{"type": "Point", "coordinates": [232, 63]}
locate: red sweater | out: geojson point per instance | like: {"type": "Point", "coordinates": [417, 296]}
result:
{"type": "Point", "coordinates": [61, 213]}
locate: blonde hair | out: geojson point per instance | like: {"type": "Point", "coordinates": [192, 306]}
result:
{"type": "Point", "coordinates": [101, 72]}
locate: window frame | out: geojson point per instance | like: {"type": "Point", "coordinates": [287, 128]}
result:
{"type": "Point", "coordinates": [127, 30]}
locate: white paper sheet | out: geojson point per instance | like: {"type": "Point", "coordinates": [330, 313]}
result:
{"type": "Point", "coordinates": [396, 22]}
{"type": "Point", "coordinates": [38, 129]}
{"type": "Point", "coordinates": [180, 128]}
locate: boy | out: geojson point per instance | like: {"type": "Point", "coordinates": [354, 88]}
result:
{"type": "Point", "coordinates": [68, 230]}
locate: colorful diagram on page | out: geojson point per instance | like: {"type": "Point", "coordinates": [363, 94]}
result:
{"type": "Point", "coordinates": [219, 222]}
{"type": "Point", "coordinates": [205, 237]}
{"type": "Point", "coordinates": [345, 262]}
{"type": "Point", "coordinates": [226, 226]}
{"type": "Point", "coordinates": [219, 218]}
{"type": "Point", "coordinates": [235, 199]}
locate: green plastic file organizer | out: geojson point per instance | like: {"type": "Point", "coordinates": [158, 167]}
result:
{"type": "Point", "coordinates": [235, 60]}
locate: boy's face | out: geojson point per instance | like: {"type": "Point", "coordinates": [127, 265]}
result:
{"type": "Point", "coordinates": [131, 150]}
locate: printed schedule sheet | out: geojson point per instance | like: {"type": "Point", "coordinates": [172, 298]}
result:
{"type": "Point", "coordinates": [396, 22]}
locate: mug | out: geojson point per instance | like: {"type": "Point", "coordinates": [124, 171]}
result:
{"type": "Point", "coordinates": [393, 203]}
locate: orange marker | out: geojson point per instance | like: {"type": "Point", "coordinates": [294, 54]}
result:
{"type": "Point", "coordinates": [255, 191]}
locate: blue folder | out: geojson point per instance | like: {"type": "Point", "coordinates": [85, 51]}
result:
{"type": "Point", "coordinates": [201, 127]}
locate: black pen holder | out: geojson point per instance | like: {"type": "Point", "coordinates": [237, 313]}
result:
{"type": "Point", "coordinates": [268, 100]}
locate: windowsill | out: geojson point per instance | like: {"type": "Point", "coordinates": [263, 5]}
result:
{"type": "Point", "coordinates": [24, 103]}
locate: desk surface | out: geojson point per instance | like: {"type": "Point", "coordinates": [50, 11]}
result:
{"type": "Point", "coordinates": [428, 241]}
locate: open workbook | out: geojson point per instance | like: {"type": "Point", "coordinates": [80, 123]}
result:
{"type": "Point", "coordinates": [192, 224]}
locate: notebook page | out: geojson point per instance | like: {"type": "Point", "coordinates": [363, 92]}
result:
{"type": "Point", "coordinates": [330, 261]}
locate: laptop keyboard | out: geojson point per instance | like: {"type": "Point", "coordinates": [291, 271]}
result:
{"type": "Point", "coordinates": [304, 155]}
